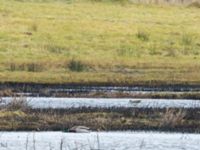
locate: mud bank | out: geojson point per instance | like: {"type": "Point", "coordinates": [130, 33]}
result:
{"type": "Point", "coordinates": [102, 90]}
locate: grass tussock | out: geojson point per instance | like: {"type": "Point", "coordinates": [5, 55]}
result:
{"type": "Point", "coordinates": [17, 104]}
{"type": "Point", "coordinates": [143, 35]}
{"type": "Point", "coordinates": [173, 118]}
{"type": "Point", "coordinates": [195, 4]}
{"type": "Point", "coordinates": [187, 39]}
{"type": "Point", "coordinates": [29, 67]}
{"type": "Point", "coordinates": [55, 49]}
{"type": "Point", "coordinates": [76, 66]}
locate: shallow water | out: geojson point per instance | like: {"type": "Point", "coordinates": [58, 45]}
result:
{"type": "Point", "coordinates": [44, 102]}
{"type": "Point", "coordinates": [97, 141]}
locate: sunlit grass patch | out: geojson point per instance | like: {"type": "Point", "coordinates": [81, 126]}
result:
{"type": "Point", "coordinates": [84, 41]}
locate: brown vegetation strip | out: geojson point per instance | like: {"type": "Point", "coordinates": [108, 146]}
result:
{"type": "Point", "coordinates": [18, 116]}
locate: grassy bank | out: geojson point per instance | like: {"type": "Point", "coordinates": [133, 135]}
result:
{"type": "Point", "coordinates": [91, 42]}
{"type": "Point", "coordinates": [18, 117]}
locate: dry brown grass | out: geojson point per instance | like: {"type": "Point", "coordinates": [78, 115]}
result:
{"type": "Point", "coordinates": [172, 118]}
{"type": "Point", "coordinates": [17, 103]}
{"type": "Point", "coordinates": [195, 4]}
{"type": "Point", "coordinates": [99, 119]}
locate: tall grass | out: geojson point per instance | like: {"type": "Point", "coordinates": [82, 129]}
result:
{"type": "Point", "coordinates": [76, 65]}
{"type": "Point", "coordinates": [18, 104]}
{"type": "Point", "coordinates": [29, 67]}
{"type": "Point", "coordinates": [173, 118]}
{"type": "Point", "coordinates": [187, 39]}
{"type": "Point", "coordinates": [194, 4]}
{"type": "Point", "coordinates": [34, 27]}
{"type": "Point", "coordinates": [143, 35]}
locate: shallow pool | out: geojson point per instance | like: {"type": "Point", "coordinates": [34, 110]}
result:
{"type": "Point", "coordinates": [98, 140]}
{"type": "Point", "coordinates": [44, 102]}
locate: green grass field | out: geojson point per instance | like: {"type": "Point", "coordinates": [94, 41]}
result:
{"type": "Point", "coordinates": [89, 42]}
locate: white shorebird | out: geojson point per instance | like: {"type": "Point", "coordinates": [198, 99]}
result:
{"type": "Point", "coordinates": [79, 129]}
{"type": "Point", "coordinates": [134, 101]}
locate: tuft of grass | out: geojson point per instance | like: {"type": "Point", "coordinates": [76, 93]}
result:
{"type": "Point", "coordinates": [12, 67]}
{"type": "Point", "coordinates": [34, 27]}
{"type": "Point", "coordinates": [33, 67]}
{"type": "Point", "coordinates": [195, 4]}
{"type": "Point", "coordinates": [56, 49]}
{"type": "Point", "coordinates": [172, 118]}
{"type": "Point", "coordinates": [187, 39]}
{"type": "Point", "coordinates": [29, 67]}
{"type": "Point", "coordinates": [171, 52]}
{"type": "Point", "coordinates": [188, 44]}
{"type": "Point", "coordinates": [128, 51]}
{"type": "Point", "coordinates": [19, 103]}
{"type": "Point", "coordinates": [76, 65]}
{"type": "Point", "coordinates": [143, 35]}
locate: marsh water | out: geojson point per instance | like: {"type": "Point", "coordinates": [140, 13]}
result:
{"type": "Point", "coordinates": [118, 140]}
{"type": "Point", "coordinates": [47, 102]}
{"type": "Point", "coordinates": [98, 141]}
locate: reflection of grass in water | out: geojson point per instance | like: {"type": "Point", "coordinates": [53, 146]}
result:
{"type": "Point", "coordinates": [63, 144]}
{"type": "Point", "coordinates": [137, 141]}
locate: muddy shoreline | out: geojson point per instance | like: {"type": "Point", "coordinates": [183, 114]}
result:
{"type": "Point", "coordinates": [156, 86]}
{"type": "Point", "coordinates": [178, 91]}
